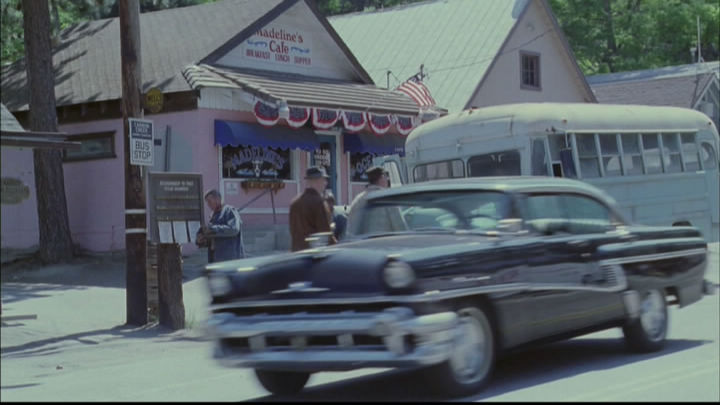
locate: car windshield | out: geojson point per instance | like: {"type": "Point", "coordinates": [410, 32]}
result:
{"type": "Point", "coordinates": [436, 211]}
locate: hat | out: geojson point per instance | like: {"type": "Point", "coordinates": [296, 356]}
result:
{"type": "Point", "coordinates": [315, 172]}
{"type": "Point", "coordinates": [374, 173]}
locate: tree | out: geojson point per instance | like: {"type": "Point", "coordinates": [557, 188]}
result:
{"type": "Point", "coordinates": [622, 35]}
{"type": "Point", "coordinates": [55, 240]}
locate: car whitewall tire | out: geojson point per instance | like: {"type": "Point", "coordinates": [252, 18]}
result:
{"type": "Point", "coordinates": [471, 363]}
{"type": "Point", "coordinates": [647, 332]}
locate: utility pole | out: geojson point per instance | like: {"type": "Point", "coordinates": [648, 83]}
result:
{"type": "Point", "coordinates": [135, 216]}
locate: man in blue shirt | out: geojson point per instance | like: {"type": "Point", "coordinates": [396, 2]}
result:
{"type": "Point", "coordinates": [223, 234]}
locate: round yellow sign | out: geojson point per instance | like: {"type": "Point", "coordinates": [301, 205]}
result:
{"type": "Point", "coordinates": [154, 100]}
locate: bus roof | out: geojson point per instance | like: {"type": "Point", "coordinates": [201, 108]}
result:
{"type": "Point", "coordinates": [569, 117]}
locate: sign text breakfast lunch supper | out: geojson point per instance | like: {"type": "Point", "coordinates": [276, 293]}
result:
{"type": "Point", "coordinates": [279, 46]}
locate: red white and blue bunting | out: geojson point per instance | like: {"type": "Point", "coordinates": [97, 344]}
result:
{"type": "Point", "coordinates": [268, 114]}
{"type": "Point", "coordinates": [325, 119]}
{"type": "Point", "coordinates": [298, 116]}
{"type": "Point", "coordinates": [380, 123]}
{"type": "Point", "coordinates": [405, 124]}
{"type": "Point", "coordinates": [354, 120]}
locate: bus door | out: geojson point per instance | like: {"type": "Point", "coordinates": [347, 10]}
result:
{"type": "Point", "coordinates": [396, 168]}
{"type": "Point", "coordinates": [708, 148]}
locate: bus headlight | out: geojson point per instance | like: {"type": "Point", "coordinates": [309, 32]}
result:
{"type": "Point", "coordinates": [219, 284]}
{"type": "Point", "coordinates": [398, 274]}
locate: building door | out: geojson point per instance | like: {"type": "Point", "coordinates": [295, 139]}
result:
{"type": "Point", "coordinates": [326, 157]}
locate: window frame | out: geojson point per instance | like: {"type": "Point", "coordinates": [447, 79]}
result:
{"type": "Point", "coordinates": [425, 165]}
{"type": "Point", "coordinates": [536, 73]}
{"type": "Point", "coordinates": [91, 136]}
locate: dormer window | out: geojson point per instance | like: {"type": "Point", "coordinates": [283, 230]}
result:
{"type": "Point", "coordinates": [530, 71]}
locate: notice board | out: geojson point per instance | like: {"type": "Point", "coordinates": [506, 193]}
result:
{"type": "Point", "coordinates": [176, 206]}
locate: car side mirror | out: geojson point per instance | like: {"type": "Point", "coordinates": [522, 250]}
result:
{"type": "Point", "coordinates": [320, 239]}
{"type": "Point", "coordinates": [510, 225]}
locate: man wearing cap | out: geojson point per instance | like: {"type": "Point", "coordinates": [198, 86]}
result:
{"type": "Point", "coordinates": [309, 213]}
{"type": "Point", "coordinates": [384, 219]}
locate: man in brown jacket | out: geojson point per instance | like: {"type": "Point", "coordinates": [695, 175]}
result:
{"type": "Point", "coordinates": [308, 212]}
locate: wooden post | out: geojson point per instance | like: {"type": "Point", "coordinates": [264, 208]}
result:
{"type": "Point", "coordinates": [171, 310]}
{"type": "Point", "coordinates": [135, 218]}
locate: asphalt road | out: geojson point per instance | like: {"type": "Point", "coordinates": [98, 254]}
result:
{"type": "Point", "coordinates": [75, 351]}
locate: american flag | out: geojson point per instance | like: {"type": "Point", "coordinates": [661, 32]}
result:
{"type": "Point", "coordinates": [417, 91]}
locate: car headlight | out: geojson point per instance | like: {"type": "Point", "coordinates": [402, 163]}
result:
{"type": "Point", "coordinates": [398, 274]}
{"type": "Point", "coordinates": [219, 284]}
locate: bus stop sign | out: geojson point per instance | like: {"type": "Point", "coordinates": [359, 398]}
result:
{"type": "Point", "coordinates": [141, 142]}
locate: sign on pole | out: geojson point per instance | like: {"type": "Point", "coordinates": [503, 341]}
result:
{"type": "Point", "coordinates": [176, 207]}
{"type": "Point", "coordinates": [141, 142]}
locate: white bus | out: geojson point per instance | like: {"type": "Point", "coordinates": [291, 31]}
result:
{"type": "Point", "coordinates": [659, 163]}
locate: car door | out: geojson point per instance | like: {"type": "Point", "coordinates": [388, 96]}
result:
{"type": "Point", "coordinates": [568, 289]}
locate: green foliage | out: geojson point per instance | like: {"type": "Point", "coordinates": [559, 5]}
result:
{"type": "Point", "coordinates": [638, 34]}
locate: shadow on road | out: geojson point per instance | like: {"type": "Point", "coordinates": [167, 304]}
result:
{"type": "Point", "coordinates": [514, 371]}
{"type": "Point", "coordinates": [95, 337]}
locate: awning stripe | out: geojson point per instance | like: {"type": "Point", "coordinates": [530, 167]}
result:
{"type": "Point", "coordinates": [236, 133]}
{"type": "Point", "coordinates": [377, 145]}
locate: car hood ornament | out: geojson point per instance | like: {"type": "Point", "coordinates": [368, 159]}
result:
{"type": "Point", "coordinates": [300, 287]}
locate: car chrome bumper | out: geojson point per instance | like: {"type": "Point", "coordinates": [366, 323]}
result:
{"type": "Point", "coordinates": [399, 339]}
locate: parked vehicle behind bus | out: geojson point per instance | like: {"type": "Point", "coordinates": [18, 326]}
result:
{"type": "Point", "coordinates": [659, 163]}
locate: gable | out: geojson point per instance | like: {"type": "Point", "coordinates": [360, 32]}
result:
{"type": "Point", "coordinates": [560, 78]}
{"type": "Point", "coordinates": [294, 42]}
{"type": "Point", "coordinates": [454, 40]}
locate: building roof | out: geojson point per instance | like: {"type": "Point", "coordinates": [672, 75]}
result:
{"type": "Point", "coordinates": [679, 86]}
{"type": "Point", "coordinates": [303, 91]}
{"type": "Point", "coordinates": [87, 59]}
{"type": "Point", "coordinates": [658, 73]}
{"type": "Point", "coordinates": [456, 55]}
{"type": "Point", "coordinates": [13, 134]}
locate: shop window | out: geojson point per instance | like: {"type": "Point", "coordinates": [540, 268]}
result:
{"type": "Point", "coordinates": [359, 163]}
{"type": "Point", "coordinates": [530, 70]}
{"type": "Point", "coordinates": [243, 162]}
{"type": "Point", "coordinates": [98, 145]}
{"type": "Point", "coordinates": [439, 170]}
{"type": "Point", "coordinates": [506, 163]}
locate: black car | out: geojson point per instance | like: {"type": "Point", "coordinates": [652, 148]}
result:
{"type": "Point", "coordinates": [445, 275]}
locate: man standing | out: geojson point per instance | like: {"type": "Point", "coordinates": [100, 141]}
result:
{"type": "Point", "coordinates": [223, 234]}
{"type": "Point", "coordinates": [308, 211]}
{"type": "Point", "coordinates": [383, 219]}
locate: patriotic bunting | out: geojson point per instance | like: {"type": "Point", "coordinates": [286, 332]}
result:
{"type": "Point", "coordinates": [298, 116]}
{"type": "Point", "coordinates": [266, 114]}
{"type": "Point", "coordinates": [354, 121]}
{"type": "Point", "coordinates": [379, 123]}
{"type": "Point", "coordinates": [324, 119]}
{"type": "Point", "coordinates": [405, 124]}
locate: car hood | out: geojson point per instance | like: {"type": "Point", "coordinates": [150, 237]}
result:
{"type": "Point", "coordinates": [346, 269]}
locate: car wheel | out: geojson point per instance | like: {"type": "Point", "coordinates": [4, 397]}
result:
{"type": "Point", "coordinates": [647, 332]}
{"type": "Point", "coordinates": [282, 382]}
{"type": "Point", "coordinates": [472, 360]}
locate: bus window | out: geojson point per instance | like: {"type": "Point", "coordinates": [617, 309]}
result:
{"type": "Point", "coordinates": [671, 153]}
{"type": "Point", "coordinates": [632, 160]}
{"type": "Point", "coordinates": [610, 154]}
{"type": "Point", "coordinates": [651, 150]}
{"type": "Point", "coordinates": [538, 161]}
{"type": "Point", "coordinates": [506, 163]}
{"type": "Point", "coordinates": [708, 156]}
{"type": "Point", "coordinates": [588, 154]}
{"type": "Point", "coordinates": [439, 170]}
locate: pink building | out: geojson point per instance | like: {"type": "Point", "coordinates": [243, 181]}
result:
{"type": "Point", "coordinates": [253, 92]}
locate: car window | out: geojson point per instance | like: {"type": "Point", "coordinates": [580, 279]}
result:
{"type": "Point", "coordinates": [433, 210]}
{"type": "Point", "coordinates": [569, 213]}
